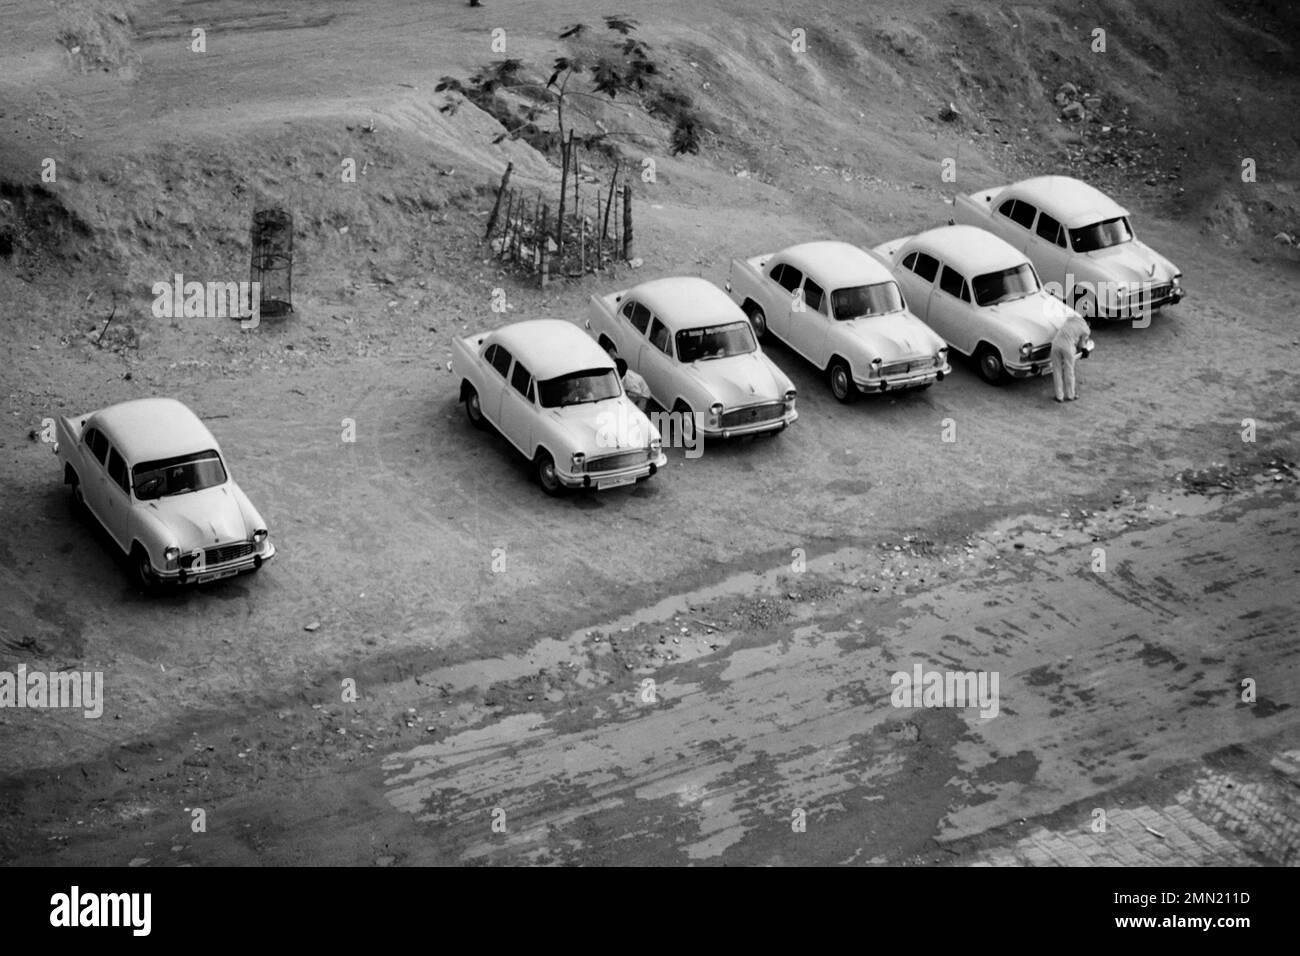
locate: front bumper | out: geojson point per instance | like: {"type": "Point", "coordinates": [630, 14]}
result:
{"type": "Point", "coordinates": [1029, 369]}
{"type": "Point", "coordinates": [756, 428]}
{"type": "Point", "coordinates": [615, 478]}
{"type": "Point", "coordinates": [212, 572]}
{"type": "Point", "coordinates": [915, 378]}
{"type": "Point", "coordinates": [1142, 302]}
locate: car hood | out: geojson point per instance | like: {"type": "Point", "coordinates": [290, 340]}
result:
{"type": "Point", "coordinates": [1035, 318]}
{"type": "Point", "coordinates": [201, 519]}
{"type": "Point", "coordinates": [599, 428]}
{"type": "Point", "coordinates": [742, 379]}
{"type": "Point", "coordinates": [1131, 261]}
{"type": "Point", "coordinates": [893, 337]}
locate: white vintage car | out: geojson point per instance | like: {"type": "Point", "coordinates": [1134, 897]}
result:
{"type": "Point", "coordinates": [982, 296]}
{"type": "Point", "coordinates": [1080, 241]}
{"type": "Point", "coordinates": [839, 308]}
{"type": "Point", "coordinates": [152, 474]}
{"type": "Point", "coordinates": [697, 352]}
{"type": "Point", "coordinates": [555, 395]}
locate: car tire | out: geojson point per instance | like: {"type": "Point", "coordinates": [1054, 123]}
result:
{"type": "Point", "coordinates": [840, 378]}
{"type": "Point", "coordinates": [686, 413]}
{"type": "Point", "coordinates": [473, 409]}
{"type": "Point", "coordinates": [79, 507]}
{"type": "Point", "coordinates": [142, 570]}
{"type": "Point", "coordinates": [545, 473]}
{"type": "Point", "coordinates": [988, 362]}
{"type": "Point", "coordinates": [758, 319]}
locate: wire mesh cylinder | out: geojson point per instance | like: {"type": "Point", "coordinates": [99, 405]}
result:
{"type": "Point", "coordinates": [272, 260]}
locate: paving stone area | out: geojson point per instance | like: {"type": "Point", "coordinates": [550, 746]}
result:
{"type": "Point", "coordinates": [1222, 819]}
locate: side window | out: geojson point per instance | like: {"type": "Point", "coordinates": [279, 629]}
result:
{"type": "Point", "coordinates": [97, 444]}
{"type": "Point", "coordinates": [659, 337]}
{"type": "Point", "coordinates": [952, 283]}
{"type": "Point", "coordinates": [1006, 207]}
{"type": "Point", "coordinates": [788, 278]}
{"type": "Point", "coordinates": [521, 379]}
{"type": "Point", "coordinates": [926, 266]}
{"type": "Point", "coordinates": [1023, 214]}
{"type": "Point", "coordinates": [910, 261]}
{"type": "Point", "coordinates": [499, 358]}
{"type": "Point", "coordinates": [117, 470]}
{"type": "Point", "coordinates": [813, 295]}
{"type": "Point", "coordinates": [1050, 229]}
{"type": "Point", "coordinates": [638, 315]}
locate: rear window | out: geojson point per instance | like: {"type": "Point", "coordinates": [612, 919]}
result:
{"type": "Point", "coordinates": [638, 315]}
{"type": "Point", "coordinates": [926, 266]}
{"type": "Point", "coordinates": [787, 277]}
{"type": "Point", "coordinates": [813, 295]}
{"type": "Point", "coordinates": [97, 444]}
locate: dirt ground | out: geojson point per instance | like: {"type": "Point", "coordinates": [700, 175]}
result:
{"type": "Point", "coordinates": [521, 691]}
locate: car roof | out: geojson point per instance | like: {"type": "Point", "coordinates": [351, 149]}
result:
{"type": "Point", "coordinates": [551, 347]}
{"type": "Point", "coordinates": [149, 429]}
{"type": "Point", "coordinates": [835, 264]}
{"type": "Point", "coordinates": [685, 302]}
{"type": "Point", "coordinates": [1072, 201]}
{"type": "Point", "coordinates": [968, 249]}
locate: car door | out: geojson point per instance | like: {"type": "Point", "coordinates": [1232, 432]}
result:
{"type": "Point", "coordinates": [657, 365]}
{"type": "Point", "coordinates": [631, 325]}
{"type": "Point", "coordinates": [1017, 220]}
{"type": "Point", "coordinates": [1048, 251]}
{"type": "Point", "coordinates": [94, 481]}
{"type": "Point", "coordinates": [519, 408]}
{"type": "Point", "coordinates": [917, 275]}
{"type": "Point", "coordinates": [784, 282]}
{"type": "Point", "coordinates": [117, 498]}
{"type": "Point", "coordinates": [952, 312]}
{"type": "Point", "coordinates": [498, 359]}
{"type": "Point", "coordinates": [809, 326]}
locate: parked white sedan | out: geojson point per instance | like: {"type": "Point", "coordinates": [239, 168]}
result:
{"type": "Point", "coordinates": [697, 352]}
{"type": "Point", "coordinates": [839, 308]}
{"type": "Point", "coordinates": [982, 296]}
{"type": "Point", "coordinates": [151, 473]}
{"type": "Point", "coordinates": [555, 395]}
{"type": "Point", "coordinates": [1081, 242]}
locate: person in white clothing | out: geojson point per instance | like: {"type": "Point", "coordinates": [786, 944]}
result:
{"type": "Point", "coordinates": [1074, 340]}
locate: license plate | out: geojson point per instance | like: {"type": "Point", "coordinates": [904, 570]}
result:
{"type": "Point", "coordinates": [616, 482]}
{"type": "Point", "coordinates": [216, 575]}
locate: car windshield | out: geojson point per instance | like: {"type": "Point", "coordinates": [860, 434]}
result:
{"type": "Point", "coordinates": [1101, 235]}
{"type": "Point", "coordinates": [578, 388]}
{"type": "Point", "coordinates": [177, 476]}
{"type": "Point", "coordinates": [715, 341]}
{"type": "Point", "coordinates": [995, 287]}
{"type": "Point", "coordinates": [863, 300]}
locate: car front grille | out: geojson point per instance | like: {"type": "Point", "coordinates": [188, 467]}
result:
{"type": "Point", "coordinates": [1042, 353]}
{"type": "Point", "coordinates": [227, 552]}
{"type": "Point", "coordinates": [1150, 298]}
{"type": "Point", "coordinates": [902, 368]}
{"type": "Point", "coordinates": [753, 414]}
{"type": "Point", "coordinates": [626, 459]}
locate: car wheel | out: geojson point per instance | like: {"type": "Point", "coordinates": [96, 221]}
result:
{"type": "Point", "coordinates": [142, 570]}
{"type": "Point", "coordinates": [473, 409]}
{"type": "Point", "coordinates": [841, 381]}
{"type": "Point", "coordinates": [547, 477]}
{"type": "Point", "coordinates": [758, 319]}
{"type": "Point", "coordinates": [686, 432]}
{"type": "Point", "coordinates": [989, 363]}
{"type": "Point", "coordinates": [79, 507]}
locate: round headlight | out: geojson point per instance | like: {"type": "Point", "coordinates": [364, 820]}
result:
{"type": "Point", "coordinates": [259, 535]}
{"type": "Point", "coordinates": [1026, 349]}
{"type": "Point", "coordinates": [790, 394]}
{"type": "Point", "coordinates": [715, 408]}
{"type": "Point", "coordinates": [171, 554]}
